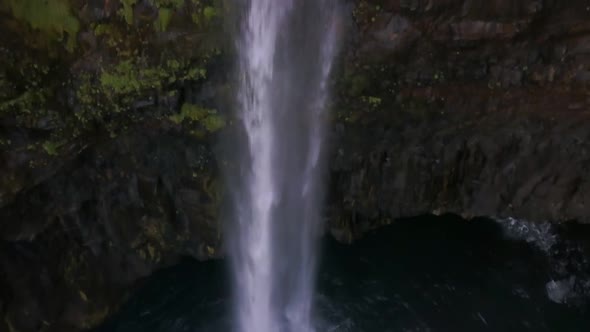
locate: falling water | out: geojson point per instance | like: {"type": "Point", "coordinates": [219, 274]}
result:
{"type": "Point", "coordinates": [285, 55]}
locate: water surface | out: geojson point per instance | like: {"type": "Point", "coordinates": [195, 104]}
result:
{"type": "Point", "coordinates": [422, 274]}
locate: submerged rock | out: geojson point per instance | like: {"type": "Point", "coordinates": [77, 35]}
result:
{"type": "Point", "coordinates": [559, 291]}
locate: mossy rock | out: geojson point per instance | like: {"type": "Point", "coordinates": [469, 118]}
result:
{"type": "Point", "coordinates": [53, 18]}
{"type": "Point", "coordinates": [208, 118]}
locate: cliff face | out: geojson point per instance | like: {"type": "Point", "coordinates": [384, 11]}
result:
{"type": "Point", "coordinates": [106, 119]}
{"type": "Point", "coordinates": [470, 107]}
{"type": "Point", "coordinates": [110, 110]}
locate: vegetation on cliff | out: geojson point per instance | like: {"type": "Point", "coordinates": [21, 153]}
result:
{"type": "Point", "coordinates": [73, 69]}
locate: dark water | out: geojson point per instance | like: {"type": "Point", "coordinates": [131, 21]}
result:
{"type": "Point", "coordinates": [425, 274]}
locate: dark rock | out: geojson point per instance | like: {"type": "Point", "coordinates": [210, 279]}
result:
{"type": "Point", "coordinates": [118, 211]}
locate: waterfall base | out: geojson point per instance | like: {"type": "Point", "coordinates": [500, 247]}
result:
{"type": "Point", "coordinates": [421, 274]}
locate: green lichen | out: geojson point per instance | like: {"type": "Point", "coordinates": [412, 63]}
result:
{"type": "Point", "coordinates": [53, 17]}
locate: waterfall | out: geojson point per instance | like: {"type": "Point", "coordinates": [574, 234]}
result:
{"type": "Point", "coordinates": [285, 52]}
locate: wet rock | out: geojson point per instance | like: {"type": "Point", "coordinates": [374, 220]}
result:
{"type": "Point", "coordinates": [467, 122]}
{"type": "Point", "coordinates": [390, 35]}
{"type": "Point", "coordinates": [477, 30]}
{"type": "Point", "coordinates": [119, 211]}
{"type": "Point", "coordinates": [558, 291]}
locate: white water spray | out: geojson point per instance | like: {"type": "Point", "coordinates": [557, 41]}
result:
{"type": "Point", "coordinates": [285, 57]}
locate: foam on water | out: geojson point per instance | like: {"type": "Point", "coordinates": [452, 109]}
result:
{"type": "Point", "coordinates": [541, 235]}
{"type": "Point", "coordinates": [570, 278]}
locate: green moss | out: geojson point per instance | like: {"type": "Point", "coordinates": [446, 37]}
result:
{"type": "Point", "coordinates": [134, 75]}
{"type": "Point", "coordinates": [209, 119]}
{"type": "Point", "coordinates": [209, 13]}
{"type": "Point", "coordinates": [196, 73]}
{"type": "Point", "coordinates": [86, 93]}
{"type": "Point", "coordinates": [175, 4]}
{"type": "Point", "coordinates": [164, 17]}
{"type": "Point", "coordinates": [166, 10]}
{"type": "Point", "coordinates": [23, 103]}
{"type": "Point", "coordinates": [52, 147]}
{"type": "Point", "coordinates": [114, 90]}
{"type": "Point", "coordinates": [101, 29]}
{"type": "Point", "coordinates": [24, 91]}
{"type": "Point", "coordinates": [203, 13]}
{"type": "Point", "coordinates": [112, 36]}
{"type": "Point", "coordinates": [355, 83]}
{"type": "Point", "coordinates": [106, 29]}
{"type": "Point", "coordinates": [213, 122]}
{"type": "Point", "coordinates": [373, 101]}
{"type": "Point", "coordinates": [173, 64]}
{"type": "Point", "coordinates": [189, 112]}
{"type": "Point", "coordinates": [127, 10]}
{"type": "Point", "coordinates": [128, 77]}
{"type": "Point", "coordinates": [50, 16]}
{"type": "Point", "coordinates": [135, 66]}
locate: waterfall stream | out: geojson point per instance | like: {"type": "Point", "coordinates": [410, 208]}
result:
{"type": "Point", "coordinates": [285, 52]}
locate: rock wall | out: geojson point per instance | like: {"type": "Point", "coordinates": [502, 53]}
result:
{"type": "Point", "coordinates": [73, 245]}
{"type": "Point", "coordinates": [110, 110]}
{"type": "Point", "coordinates": [107, 118]}
{"type": "Point", "coordinates": [470, 107]}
